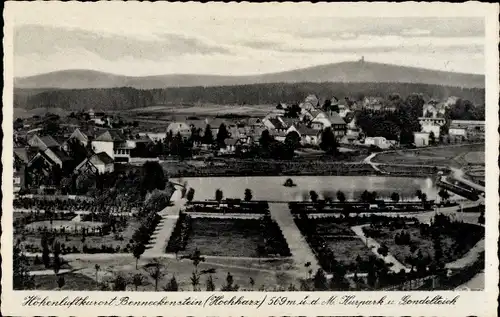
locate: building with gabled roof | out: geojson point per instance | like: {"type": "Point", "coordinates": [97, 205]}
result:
{"type": "Point", "coordinates": [43, 142]}
{"type": "Point", "coordinates": [113, 143]}
{"type": "Point", "coordinates": [98, 163]}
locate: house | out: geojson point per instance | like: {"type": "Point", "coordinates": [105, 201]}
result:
{"type": "Point", "coordinates": [22, 156]}
{"type": "Point", "coordinates": [113, 143]}
{"type": "Point", "coordinates": [59, 157]}
{"type": "Point", "coordinates": [79, 136]}
{"type": "Point", "coordinates": [352, 127]}
{"type": "Point", "coordinates": [41, 170]}
{"type": "Point", "coordinates": [230, 144]}
{"type": "Point", "coordinates": [288, 122]}
{"type": "Point", "coordinates": [433, 118]}
{"type": "Point", "coordinates": [467, 129]}
{"type": "Point", "coordinates": [379, 142]}
{"type": "Point", "coordinates": [274, 124]}
{"type": "Point", "coordinates": [421, 139]}
{"type": "Point", "coordinates": [330, 119]}
{"type": "Point", "coordinates": [179, 127]}
{"type": "Point", "coordinates": [308, 136]}
{"type": "Point", "coordinates": [43, 142]}
{"type": "Point", "coordinates": [373, 103]}
{"type": "Point", "coordinates": [278, 135]}
{"type": "Point", "coordinates": [98, 163]}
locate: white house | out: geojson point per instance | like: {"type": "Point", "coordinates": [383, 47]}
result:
{"type": "Point", "coordinates": [421, 139]}
{"type": "Point", "coordinates": [380, 142]}
{"type": "Point", "coordinates": [113, 143]}
{"type": "Point", "coordinates": [179, 127]}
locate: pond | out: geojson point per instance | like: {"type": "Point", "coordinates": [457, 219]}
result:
{"type": "Point", "coordinates": [271, 188]}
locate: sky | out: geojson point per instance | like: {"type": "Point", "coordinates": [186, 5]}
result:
{"type": "Point", "coordinates": [210, 39]}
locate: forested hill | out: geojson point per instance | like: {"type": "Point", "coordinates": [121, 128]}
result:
{"type": "Point", "coordinates": [348, 72]}
{"type": "Point", "coordinates": [128, 98]}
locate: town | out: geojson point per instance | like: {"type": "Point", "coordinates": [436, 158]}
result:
{"type": "Point", "coordinates": [353, 193]}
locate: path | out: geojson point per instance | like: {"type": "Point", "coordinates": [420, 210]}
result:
{"type": "Point", "coordinates": [458, 174]}
{"type": "Point", "coordinates": [470, 257]}
{"type": "Point", "coordinates": [298, 245]}
{"type": "Point", "coordinates": [374, 245]}
{"type": "Point", "coordinates": [169, 216]}
{"type": "Point", "coordinates": [51, 272]}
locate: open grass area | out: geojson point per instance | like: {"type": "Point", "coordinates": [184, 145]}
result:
{"type": "Point", "coordinates": [347, 249]}
{"type": "Point", "coordinates": [73, 281]}
{"type": "Point", "coordinates": [424, 244]}
{"type": "Point", "coordinates": [229, 237]}
{"type": "Point", "coordinates": [437, 156]}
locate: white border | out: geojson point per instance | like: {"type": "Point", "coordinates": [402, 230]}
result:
{"type": "Point", "coordinates": [483, 303]}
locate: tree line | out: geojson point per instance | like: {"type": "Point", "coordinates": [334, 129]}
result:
{"type": "Point", "coordinates": [128, 98]}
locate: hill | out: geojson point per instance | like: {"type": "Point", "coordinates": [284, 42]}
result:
{"type": "Point", "coordinates": [345, 72]}
{"type": "Point", "coordinates": [257, 94]}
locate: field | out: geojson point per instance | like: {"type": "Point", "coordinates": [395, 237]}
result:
{"type": "Point", "coordinates": [226, 237]}
{"type": "Point", "coordinates": [74, 282]}
{"type": "Point", "coordinates": [439, 156]}
{"type": "Point", "coordinates": [204, 110]}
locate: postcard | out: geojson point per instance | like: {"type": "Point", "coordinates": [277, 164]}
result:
{"type": "Point", "coordinates": [272, 159]}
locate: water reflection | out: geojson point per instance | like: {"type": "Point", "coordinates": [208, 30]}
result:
{"type": "Point", "coordinates": [271, 188]}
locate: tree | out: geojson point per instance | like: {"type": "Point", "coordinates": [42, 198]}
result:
{"type": "Point", "coordinates": [328, 141]}
{"type": "Point", "coordinates": [60, 281]}
{"type": "Point", "coordinates": [229, 287]}
{"type": "Point", "coordinates": [119, 283]}
{"type": "Point", "coordinates": [56, 263]}
{"type": "Point", "coordinates": [97, 267]}
{"type": "Point", "coordinates": [155, 271]}
{"type": "Point", "coordinates": [314, 196]}
{"type": "Point", "coordinates": [222, 135]}
{"type": "Point", "coordinates": [365, 196]}
{"type": "Point", "coordinates": [395, 197]}
{"type": "Point", "coordinates": [320, 281]}
{"type": "Point", "coordinates": [210, 284]}
{"type": "Point", "coordinates": [152, 178]}
{"type": "Point", "coordinates": [480, 219]}
{"type": "Point", "coordinates": [443, 194]}
{"type": "Point", "coordinates": [138, 250]}
{"type": "Point", "coordinates": [293, 111]}
{"type": "Point", "coordinates": [45, 252]}
{"type": "Point", "coordinates": [172, 285]}
{"type": "Point", "coordinates": [138, 280]}
{"type": "Point", "coordinates": [292, 142]}
{"type": "Point", "coordinates": [252, 283]}
{"type": "Point", "coordinates": [432, 138]}
{"type": "Point", "coordinates": [341, 196]}
{"type": "Point", "coordinates": [208, 138]}
{"type": "Point", "coordinates": [219, 195]}
{"type": "Point", "coordinates": [248, 194]}
{"type": "Point", "coordinates": [265, 139]}
{"type": "Point", "coordinates": [418, 193]}
{"type": "Point", "coordinates": [190, 194]}
{"type": "Point", "coordinates": [195, 280]}
{"type": "Point", "coordinates": [20, 270]}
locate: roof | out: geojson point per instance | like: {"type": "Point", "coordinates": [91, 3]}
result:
{"type": "Point", "coordinates": [304, 130]}
{"type": "Point", "coordinates": [254, 121]}
{"type": "Point", "coordinates": [44, 156]}
{"type": "Point", "coordinates": [49, 141]}
{"type": "Point", "coordinates": [111, 136]}
{"type": "Point", "coordinates": [335, 118]}
{"type": "Point", "coordinates": [278, 133]}
{"type": "Point", "coordinates": [277, 123]}
{"type": "Point", "coordinates": [288, 121]}
{"type": "Point", "coordinates": [60, 154]}
{"type": "Point", "coordinates": [79, 135]}
{"type": "Point", "coordinates": [103, 157]}
{"type": "Point", "coordinates": [25, 154]}
{"type": "Point", "coordinates": [230, 141]}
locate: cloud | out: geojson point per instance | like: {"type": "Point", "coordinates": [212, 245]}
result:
{"type": "Point", "coordinates": [44, 40]}
{"type": "Point", "coordinates": [415, 32]}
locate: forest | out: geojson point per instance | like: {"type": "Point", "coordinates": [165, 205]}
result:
{"type": "Point", "coordinates": [258, 94]}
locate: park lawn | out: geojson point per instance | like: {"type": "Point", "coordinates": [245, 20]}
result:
{"type": "Point", "coordinates": [41, 267]}
{"type": "Point", "coordinates": [346, 250]}
{"type": "Point", "coordinates": [183, 269]}
{"type": "Point", "coordinates": [224, 237]}
{"type": "Point", "coordinates": [428, 156]}
{"type": "Point", "coordinates": [73, 281]}
{"type": "Point", "coordinates": [423, 243]}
